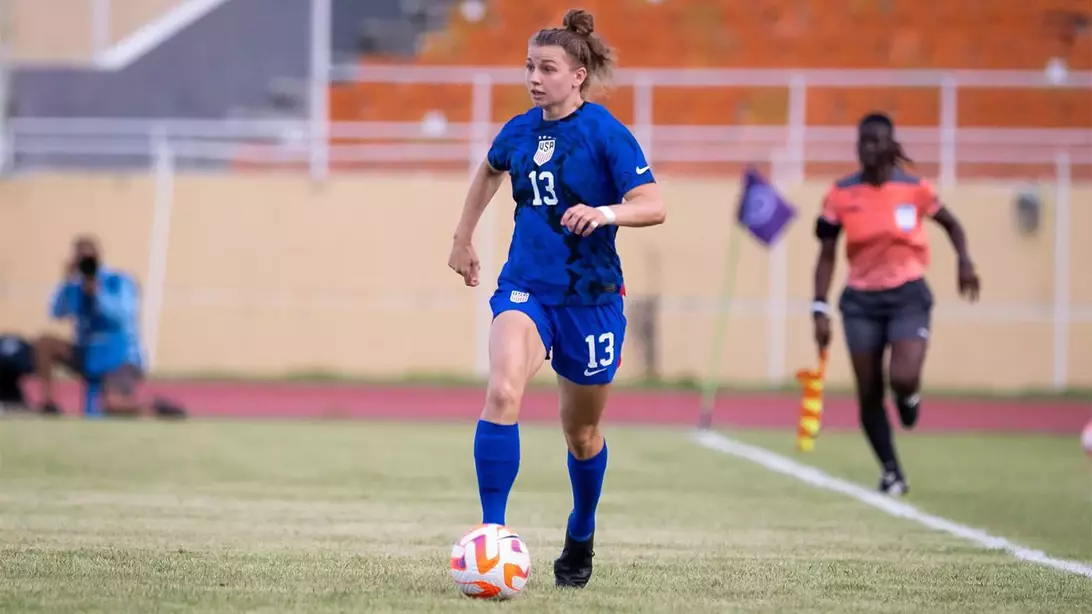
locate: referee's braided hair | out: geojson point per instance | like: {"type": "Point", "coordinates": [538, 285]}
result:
{"type": "Point", "coordinates": [577, 37]}
{"type": "Point", "coordinates": [898, 154]}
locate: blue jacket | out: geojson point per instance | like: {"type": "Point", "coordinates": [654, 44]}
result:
{"type": "Point", "coordinates": [107, 324]}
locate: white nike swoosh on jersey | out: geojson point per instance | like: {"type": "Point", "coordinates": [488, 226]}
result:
{"type": "Point", "coordinates": [588, 373]}
{"type": "Point", "coordinates": [641, 170]}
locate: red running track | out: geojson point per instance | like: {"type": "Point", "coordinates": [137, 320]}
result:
{"type": "Point", "coordinates": [428, 403]}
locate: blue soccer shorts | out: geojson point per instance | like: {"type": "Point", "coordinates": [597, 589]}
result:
{"type": "Point", "coordinates": [583, 342]}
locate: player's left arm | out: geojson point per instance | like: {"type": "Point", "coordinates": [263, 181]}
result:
{"type": "Point", "coordinates": [117, 299]}
{"type": "Point", "coordinates": [935, 209]}
{"type": "Point", "coordinates": [642, 202]}
{"type": "Point", "coordinates": [641, 206]}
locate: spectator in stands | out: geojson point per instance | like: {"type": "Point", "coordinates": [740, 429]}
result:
{"type": "Point", "coordinates": [104, 304]}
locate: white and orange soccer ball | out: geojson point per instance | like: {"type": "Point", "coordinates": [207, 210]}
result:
{"type": "Point", "coordinates": [490, 561]}
{"type": "Point", "coordinates": [1086, 438]}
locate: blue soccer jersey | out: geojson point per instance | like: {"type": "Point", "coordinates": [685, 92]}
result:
{"type": "Point", "coordinates": [569, 286]}
{"type": "Point", "coordinates": [587, 157]}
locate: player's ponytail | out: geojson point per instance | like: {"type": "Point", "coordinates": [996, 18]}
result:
{"type": "Point", "coordinates": [577, 37]}
{"type": "Point", "coordinates": [900, 156]}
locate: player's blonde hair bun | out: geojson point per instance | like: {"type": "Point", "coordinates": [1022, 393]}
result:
{"type": "Point", "coordinates": [579, 22]}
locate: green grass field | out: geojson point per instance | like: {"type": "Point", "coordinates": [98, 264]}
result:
{"type": "Point", "coordinates": [287, 516]}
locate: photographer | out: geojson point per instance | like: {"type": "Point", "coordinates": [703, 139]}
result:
{"type": "Point", "coordinates": [104, 305]}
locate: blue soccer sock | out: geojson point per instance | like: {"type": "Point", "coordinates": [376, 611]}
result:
{"type": "Point", "coordinates": [587, 481]}
{"type": "Point", "coordinates": [496, 458]}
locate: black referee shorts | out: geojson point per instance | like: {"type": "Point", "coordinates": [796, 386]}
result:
{"type": "Point", "coordinates": [873, 319]}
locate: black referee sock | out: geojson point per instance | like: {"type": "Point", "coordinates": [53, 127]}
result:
{"type": "Point", "coordinates": [878, 430]}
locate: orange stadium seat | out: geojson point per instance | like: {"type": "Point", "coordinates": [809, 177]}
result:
{"type": "Point", "coordinates": [777, 34]}
{"type": "Point", "coordinates": [1003, 34]}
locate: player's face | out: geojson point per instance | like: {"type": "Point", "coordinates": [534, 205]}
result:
{"type": "Point", "coordinates": [874, 145]}
{"type": "Point", "coordinates": [550, 76]}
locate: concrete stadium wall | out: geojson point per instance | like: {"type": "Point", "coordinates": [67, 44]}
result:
{"type": "Point", "coordinates": [48, 31]}
{"type": "Point", "coordinates": [270, 273]}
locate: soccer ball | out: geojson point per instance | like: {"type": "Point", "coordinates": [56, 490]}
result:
{"type": "Point", "coordinates": [1086, 438]}
{"type": "Point", "coordinates": [490, 561]}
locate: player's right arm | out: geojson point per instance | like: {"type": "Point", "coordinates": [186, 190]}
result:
{"type": "Point", "coordinates": [827, 228]}
{"type": "Point", "coordinates": [463, 259]}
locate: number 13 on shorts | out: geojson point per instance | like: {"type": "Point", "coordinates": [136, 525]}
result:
{"type": "Point", "coordinates": [599, 359]}
{"type": "Point", "coordinates": [588, 347]}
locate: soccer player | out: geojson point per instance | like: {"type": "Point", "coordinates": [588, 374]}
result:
{"type": "Point", "coordinates": [104, 305]}
{"type": "Point", "coordinates": [577, 175]}
{"type": "Point", "coordinates": [887, 302]}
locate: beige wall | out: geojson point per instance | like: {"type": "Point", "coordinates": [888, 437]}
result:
{"type": "Point", "coordinates": [271, 273]}
{"type": "Point", "coordinates": [60, 31]}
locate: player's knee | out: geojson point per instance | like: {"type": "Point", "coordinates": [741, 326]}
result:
{"type": "Point", "coordinates": [905, 384]}
{"type": "Point", "coordinates": [584, 441]}
{"type": "Point", "coordinates": [904, 379]}
{"type": "Point", "coordinates": [45, 348]}
{"type": "Point", "coordinates": [502, 401]}
{"type": "Point", "coordinates": [49, 348]}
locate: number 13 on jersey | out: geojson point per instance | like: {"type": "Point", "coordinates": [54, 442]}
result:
{"type": "Point", "coordinates": [546, 178]}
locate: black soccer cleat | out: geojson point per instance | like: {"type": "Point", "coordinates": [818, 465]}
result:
{"type": "Point", "coordinates": [894, 484]}
{"type": "Point", "coordinates": [573, 568]}
{"type": "Point", "coordinates": [50, 409]}
{"type": "Point", "coordinates": [167, 409]}
{"type": "Point", "coordinates": [909, 408]}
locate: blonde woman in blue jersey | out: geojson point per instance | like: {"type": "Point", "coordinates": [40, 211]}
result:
{"type": "Point", "coordinates": [577, 175]}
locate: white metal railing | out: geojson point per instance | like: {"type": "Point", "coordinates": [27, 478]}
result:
{"type": "Point", "coordinates": [732, 77]}
{"type": "Point", "coordinates": [290, 141]}
{"type": "Point", "coordinates": [242, 129]}
{"type": "Point", "coordinates": [643, 81]}
{"type": "Point", "coordinates": [308, 139]}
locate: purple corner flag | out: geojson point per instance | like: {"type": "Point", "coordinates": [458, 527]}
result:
{"type": "Point", "coordinates": [762, 210]}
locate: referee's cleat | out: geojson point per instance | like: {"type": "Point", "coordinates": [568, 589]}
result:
{"type": "Point", "coordinates": [892, 483]}
{"type": "Point", "coordinates": [574, 567]}
{"type": "Point", "coordinates": [909, 408]}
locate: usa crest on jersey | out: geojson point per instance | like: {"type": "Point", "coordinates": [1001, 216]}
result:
{"type": "Point", "coordinates": [545, 151]}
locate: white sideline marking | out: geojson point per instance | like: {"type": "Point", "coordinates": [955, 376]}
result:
{"type": "Point", "coordinates": [819, 479]}
{"type": "Point", "coordinates": [155, 33]}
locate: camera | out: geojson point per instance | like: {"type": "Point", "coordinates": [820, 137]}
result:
{"type": "Point", "coordinates": [88, 266]}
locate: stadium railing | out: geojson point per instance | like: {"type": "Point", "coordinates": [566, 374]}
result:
{"type": "Point", "coordinates": [29, 143]}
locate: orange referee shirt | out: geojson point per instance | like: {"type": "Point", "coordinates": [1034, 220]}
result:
{"type": "Point", "coordinates": [886, 245]}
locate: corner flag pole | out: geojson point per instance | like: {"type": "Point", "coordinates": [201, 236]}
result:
{"type": "Point", "coordinates": [765, 215]}
{"type": "Point", "coordinates": [720, 328]}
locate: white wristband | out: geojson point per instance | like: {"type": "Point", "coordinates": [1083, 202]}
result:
{"type": "Point", "coordinates": [820, 307]}
{"type": "Point", "coordinates": [607, 213]}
